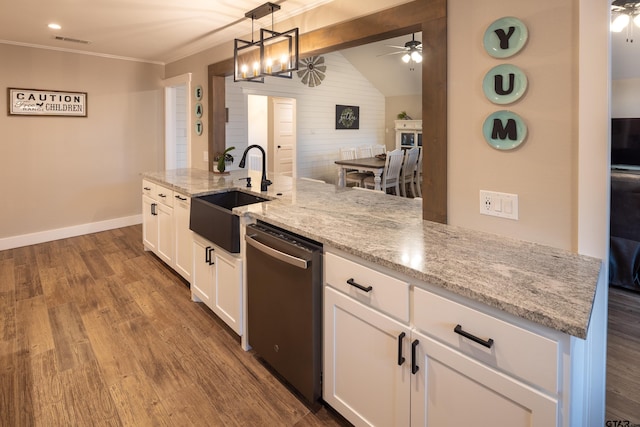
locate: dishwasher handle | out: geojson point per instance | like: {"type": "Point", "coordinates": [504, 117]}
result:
{"type": "Point", "coordinates": [274, 253]}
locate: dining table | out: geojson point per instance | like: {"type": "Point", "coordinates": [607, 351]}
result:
{"type": "Point", "coordinates": [369, 164]}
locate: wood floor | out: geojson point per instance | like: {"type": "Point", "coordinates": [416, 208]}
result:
{"type": "Point", "coordinates": [96, 332]}
{"type": "Point", "coordinates": [623, 357]}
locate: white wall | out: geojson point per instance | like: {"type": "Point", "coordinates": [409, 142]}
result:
{"type": "Point", "coordinates": [77, 174]}
{"type": "Point", "coordinates": [318, 141]}
{"type": "Point", "coordinates": [624, 98]}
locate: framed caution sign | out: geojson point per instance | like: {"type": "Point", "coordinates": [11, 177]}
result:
{"type": "Point", "coordinates": [34, 102]}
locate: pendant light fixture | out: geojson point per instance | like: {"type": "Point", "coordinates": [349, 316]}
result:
{"type": "Point", "coordinates": [275, 54]}
{"type": "Point", "coordinates": [623, 12]}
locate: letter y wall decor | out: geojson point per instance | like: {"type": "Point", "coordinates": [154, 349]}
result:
{"type": "Point", "coordinates": [504, 83]}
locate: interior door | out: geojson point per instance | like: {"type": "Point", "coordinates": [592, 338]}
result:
{"type": "Point", "coordinates": [284, 136]}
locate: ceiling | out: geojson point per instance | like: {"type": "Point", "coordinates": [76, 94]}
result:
{"type": "Point", "coordinates": [625, 56]}
{"type": "Point", "coordinates": [159, 31]}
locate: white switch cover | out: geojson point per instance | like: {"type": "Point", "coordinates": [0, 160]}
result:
{"type": "Point", "coordinates": [503, 205]}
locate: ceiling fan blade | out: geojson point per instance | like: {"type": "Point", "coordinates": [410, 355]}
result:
{"type": "Point", "coordinates": [392, 53]}
{"type": "Point", "coordinates": [396, 47]}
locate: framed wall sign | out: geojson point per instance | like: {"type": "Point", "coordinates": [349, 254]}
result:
{"type": "Point", "coordinates": [34, 102]}
{"type": "Point", "coordinates": [347, 117]}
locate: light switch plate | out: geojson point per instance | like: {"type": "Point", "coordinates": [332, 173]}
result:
{"type": "Point", "coordinates": [503, 205]}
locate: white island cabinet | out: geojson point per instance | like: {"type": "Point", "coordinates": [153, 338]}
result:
{"type": "Point", "coordinates": [165, 226]}
{"type": "Point", "coordinates": [397, 353]}
{"type": "Point", "coordinates": [217, 281]}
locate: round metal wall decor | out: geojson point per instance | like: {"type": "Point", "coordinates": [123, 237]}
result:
{"type": "Point", "coordinates": [312, 71]}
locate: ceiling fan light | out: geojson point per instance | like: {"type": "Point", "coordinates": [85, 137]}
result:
{"type": "Point", "coordinates": [416, 56]}
{"type": "Point", "coordinates": [406, 58]}
{"type": "Point", "coordinates": [620, 23]}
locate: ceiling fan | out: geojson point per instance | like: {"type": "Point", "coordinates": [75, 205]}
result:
{"type": "Point", "coordinates": [623, 11]}
{"type": "Point", "coordinates": [412, 50]}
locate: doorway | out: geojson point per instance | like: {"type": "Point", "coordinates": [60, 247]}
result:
{"type": "Point", "coordinates": [272, 125]}
{"type": "Point", "coordinates": [177, 135]}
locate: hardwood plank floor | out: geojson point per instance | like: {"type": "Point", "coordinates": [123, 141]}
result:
{"type": "Point", "coordinates": [96, 331]}
{"type": "Point", "coordinates": [623, 356]}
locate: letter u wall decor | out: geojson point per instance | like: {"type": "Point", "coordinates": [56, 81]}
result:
{"type": "Point", "coordinates": [505, 83]}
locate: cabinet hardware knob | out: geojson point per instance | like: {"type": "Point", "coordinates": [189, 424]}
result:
{"type": "Point", "coordinates": [401, 359]}
{"type": "Point", "coordinates": [458, 330]}
{"type": "Point", "coordinates": [414, 362]}
{"type": "Point", "coordinates": [147, 188]}
{"type": "Point", "coordinates": [352, 282]}
{"type": "Point", "coordinates": [162, 195]}
{"type": "Point", "coordinates": [181, 198]}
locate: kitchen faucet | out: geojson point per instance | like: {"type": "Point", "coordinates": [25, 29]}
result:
{"type": "Point", "coordinates": [264, 182]}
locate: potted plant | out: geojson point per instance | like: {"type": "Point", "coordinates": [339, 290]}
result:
{"type": "Point", "coordinates": [223, 158]}
{"type": "Point", "coordinates": [402, 115]}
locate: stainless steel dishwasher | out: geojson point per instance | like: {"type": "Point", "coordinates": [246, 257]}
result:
{"type": "Point", "coordinates": [284, 297]}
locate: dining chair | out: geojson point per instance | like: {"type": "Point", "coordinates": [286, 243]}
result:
{"type": "Point", "coordinates": [418, 175]}
{"type": "Point", "coordinates": [378, 149]}
{"type": "Point", "coordinates": [407, 176]}
{"type": "Point", "coordinates": [391, 173]}
{"type": "Point", "coordinates": [365, 151]}
{"type": "Point", "coordinates": [352, 176]}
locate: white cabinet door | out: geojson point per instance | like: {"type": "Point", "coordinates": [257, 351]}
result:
{"type": "Point", "coordinates": [363, 379]}
{"type": "Point", "coordinates": [149, 223]}
{"type": "Point", "coordinates": [202, 285]}
{"type": "Point", "coordinates": [452, 389]}
{"type": "Point", "coordinates": [183, 236]}
{"type": "Point", "coordinates": [227, 303]}
{"type": "Point", "coordinates": [166, 245]}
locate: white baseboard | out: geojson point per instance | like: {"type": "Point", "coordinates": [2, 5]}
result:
{"type": "Point", "coordinates": [63, 233]}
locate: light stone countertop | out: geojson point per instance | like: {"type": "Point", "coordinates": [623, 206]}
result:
{"type": "Point", "coordinates": [546, 285]}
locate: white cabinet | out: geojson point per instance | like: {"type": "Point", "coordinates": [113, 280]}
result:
{"type": "Point", "coordinates": [183, 235]}
{"type": "Point", "coordinates": [217, 281]}
{"type": "Point", "coordinates": [408, 133]}
{"type": "Point", "coordinates": [165, 226]}
{"type": "Point", "coordinates": [362, 378]}
{"type": "Point", "coordinates": [453, 389]}
{"type": "Point", "coordinates": [443, 364]}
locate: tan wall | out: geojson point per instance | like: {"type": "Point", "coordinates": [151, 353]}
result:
{"type": "Point", "coordinates": [61, 171]}
{"type": "Point", "coordinates": [541, 170]}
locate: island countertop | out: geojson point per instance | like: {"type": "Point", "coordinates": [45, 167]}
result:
{"type": "Point", "coordinates": [545, 285]}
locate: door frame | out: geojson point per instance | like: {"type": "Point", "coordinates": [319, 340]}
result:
{"type": "Point", "coordinates": [169, 117]}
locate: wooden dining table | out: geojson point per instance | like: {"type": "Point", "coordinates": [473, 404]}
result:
{"type": "Point", "coordinates": [369, 164]}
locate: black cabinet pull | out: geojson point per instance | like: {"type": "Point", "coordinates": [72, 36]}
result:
{"type": "Point", "coordinates": [414, 362]}
{"type": "Point", "coordinates": [154, 211]}
{"type": "Point", "coordinates": [147, 188]}
{"type": "Point", "coordinates": [400, 357]}
{"type": "Point", "coordinates": [208, 256]}
{"type": "Point", "coordinates": [458, 330]}
{"type": "Point", "coordinates": [362, 288]}
{"type": "Point", "coordinates": [162, 195]}
{"type": "Point", "coordinates": [184, 199]}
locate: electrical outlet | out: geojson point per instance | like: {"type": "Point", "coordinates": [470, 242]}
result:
{"type": "Point", "coordinates": [503, 205]}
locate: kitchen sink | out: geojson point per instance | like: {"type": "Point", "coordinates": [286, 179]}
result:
{"type": "Point", "coordinates": [212, 218]}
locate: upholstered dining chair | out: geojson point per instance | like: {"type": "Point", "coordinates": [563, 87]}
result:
{"type": "Point", "coordinates": [352, 176]}
{"type": "Point", "coordinates": [408, 174]}
{"type": "Point", "coordinates": [391, 174]}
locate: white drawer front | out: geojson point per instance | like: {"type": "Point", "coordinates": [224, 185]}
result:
{"type": "Point", "coordinates": [387, 293]}
{"type": "Point", "coordinates": [517, 351]}
{"type": "Point", "coordinates": [149, 188]}
{"type": "Point", "coordinates": [164, 195]}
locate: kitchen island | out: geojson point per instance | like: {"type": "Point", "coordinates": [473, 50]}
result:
{"type": "Point", "coordinates": [521, 310]}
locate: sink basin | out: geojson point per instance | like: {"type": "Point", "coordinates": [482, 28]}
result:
{"type": "Point", "coordinates": [211, 217]}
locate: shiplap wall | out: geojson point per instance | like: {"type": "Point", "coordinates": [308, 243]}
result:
{"type": "Point", "coordinates": [318, 142]}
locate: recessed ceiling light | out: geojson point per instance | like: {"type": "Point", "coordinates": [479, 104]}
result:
{"type": "Point", "coordinates": [54, 26]}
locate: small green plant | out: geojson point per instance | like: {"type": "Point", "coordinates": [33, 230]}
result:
{"type": "Point", "coordinates": [223, 158]}
{"type": "Point", "coordinates": [402, 115]}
